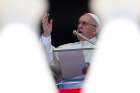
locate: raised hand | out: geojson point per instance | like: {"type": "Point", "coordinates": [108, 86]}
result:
{"type": "Point", "coordinates": [47, 26]}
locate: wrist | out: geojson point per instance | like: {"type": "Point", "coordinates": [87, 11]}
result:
{"type": "Point", "coordinates": [46, 34]}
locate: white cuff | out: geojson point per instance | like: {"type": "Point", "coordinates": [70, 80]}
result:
{"type": "Point", "coordinates": [48, 47]}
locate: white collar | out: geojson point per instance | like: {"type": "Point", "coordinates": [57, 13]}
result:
{"type": "Point", "coordinates": [92, 39]}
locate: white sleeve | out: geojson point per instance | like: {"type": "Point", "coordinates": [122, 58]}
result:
{"type": "Point", "coordinates": [48, 47]}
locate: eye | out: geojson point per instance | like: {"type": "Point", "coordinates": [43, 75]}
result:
{"type": "Point", "coordinates": [84, 23]}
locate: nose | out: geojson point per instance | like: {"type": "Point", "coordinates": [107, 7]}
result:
{"type": "Point", "coordinates": [79, 26]}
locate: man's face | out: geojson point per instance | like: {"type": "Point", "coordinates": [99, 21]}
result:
{"type": "Point", "coordinates": [87, 26]}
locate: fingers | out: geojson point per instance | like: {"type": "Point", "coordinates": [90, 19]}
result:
{"type": "Point", "coordinates": [51, 22]}
{"type": "Point", "coordinates": [47, 26]}
{"type": "Point", "coordinates": [45, 19]}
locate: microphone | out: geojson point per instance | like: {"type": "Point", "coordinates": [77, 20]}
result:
{"type": "Point", "coordinates": [82, 36]}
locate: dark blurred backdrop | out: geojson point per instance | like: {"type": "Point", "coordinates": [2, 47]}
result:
{"type": "Point", "coordinates": [65, 14]}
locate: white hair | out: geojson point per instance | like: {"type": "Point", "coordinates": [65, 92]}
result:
{"type": "Point", "coordinates": [96, 18]}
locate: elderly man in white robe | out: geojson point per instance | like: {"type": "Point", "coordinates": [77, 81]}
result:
{"type": "Point", "coordinates": [88, 27]}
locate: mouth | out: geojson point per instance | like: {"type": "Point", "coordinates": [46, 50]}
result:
{"type": "Point", "coordinates": [79, 31]}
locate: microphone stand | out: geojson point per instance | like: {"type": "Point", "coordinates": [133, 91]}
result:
{"type": "Point", "coordinates": [78, 34]}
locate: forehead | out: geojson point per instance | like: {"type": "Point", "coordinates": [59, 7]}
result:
{"type": "Point", "coordinates": [85, 18]}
